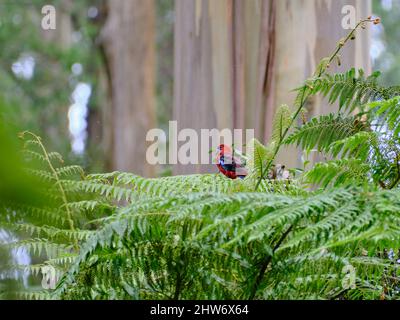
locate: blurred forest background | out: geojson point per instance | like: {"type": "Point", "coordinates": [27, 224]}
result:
{"type": "Point", "coordinates": [112, 70]}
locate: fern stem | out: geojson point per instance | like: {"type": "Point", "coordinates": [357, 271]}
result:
{"type": "Point", "coordinates": [266, 263]}
{"type": "Point", "coordinates": [304, 98]}
{"type": "Point", "coordinates": [178, 286]}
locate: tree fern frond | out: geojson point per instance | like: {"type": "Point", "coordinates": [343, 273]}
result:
{"type": "Point", "coordinates": [387, 113]}
{"type": "Point", "coordinates": [52, 233]}
{"type": "Point", "coordinates": [70, 171]}
{"type": "Point", "coordinates": [39, 246]}
{"type": "Point", "coordinates": [109, 191]}
{"type": "Point", "coordinates": [285, 186]}
{"type": "Point", "coordinates": [56, 156]}
{"type": "Point", "coordinates": [203, 236]}
{"type": "Point", "coordinates": [324, 228]}
{"type": "Point", "coordinates": [42, 175]}
{"type": "Point", "coordinates": [358, 145]}
{"type": "Point", "coordinates": [321, 132]}
{"type": "Point", "coordinates": [48, 215]}
{"type": "Point", "coordinates": [29, 144]}
{"type": "Point", "coordinates": [103, 176]}
{"type": "Point", "coordinates": [291, 214]}
{"type": "Point", "coordinates": [90, 205]}
{"type": "Point", "coordinates": [33, 155]}
{"type": "Point", "coordinates": [338, 173]}
{"type": "Point", "coordinates": [178, 184]}
{"type": "Point", "coordinates": [350, 90]}
{"type": "Point", "coordinates": [63, 259]}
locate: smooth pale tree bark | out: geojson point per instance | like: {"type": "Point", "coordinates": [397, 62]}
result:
{"type": "Point", "coordinates": [129, 42]}
{"type": "Point", "coordinates": [220, 65]}
{"type": "Point", "coordinates": [236, 61]}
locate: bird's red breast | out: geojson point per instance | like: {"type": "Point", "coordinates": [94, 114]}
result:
{"type": "Point", "coordinates": [229, 165]}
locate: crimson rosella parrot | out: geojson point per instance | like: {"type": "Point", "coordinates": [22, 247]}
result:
{"type": "Point", "coordinates": [228, 164]}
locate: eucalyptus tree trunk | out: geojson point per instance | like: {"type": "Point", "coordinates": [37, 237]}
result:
{"type": "Point", "coordinates": [236, 61]}
{"type": "Point", "coordinates": [129, 41]}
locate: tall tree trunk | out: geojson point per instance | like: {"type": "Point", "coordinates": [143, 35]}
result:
{"type": "Point", "coordinates": [237, 60]}
{"type": "Point", "coordinates": [129, 41]}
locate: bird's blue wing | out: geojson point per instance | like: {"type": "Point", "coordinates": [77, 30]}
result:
{"type": "Point", "coordinates": [227, 162]}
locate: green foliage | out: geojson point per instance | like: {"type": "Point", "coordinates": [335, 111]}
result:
{"type": "Point", "coordinates": [338, 173]}
{"type": "Point", "coordinates": [121, 236]}
{"type": "Point", "coordinates": [357, 145]}
{"type": "Point", "coordinates": [363, 136]}
{"type": "Point", "coordinates": [350, 89]}
{"type": "Point", "coordinates": [51, 226]}
{"type": "Point", "coordinates": [202, 246]}
{"type": "Point", "coordinates": [259, 155]}
{"type": "Point", "coordinates": [281, 123]}
{"type": "Point", "coordinates": [322, 131]}
{"type": "Point", "coordinates": [388, 114]}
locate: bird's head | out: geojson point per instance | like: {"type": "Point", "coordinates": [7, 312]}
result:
{"type": "Point", "coordinates": [222, 148]}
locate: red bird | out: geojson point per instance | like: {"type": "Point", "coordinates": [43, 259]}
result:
{"type": "Point", "coordinates": [228, 164]}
